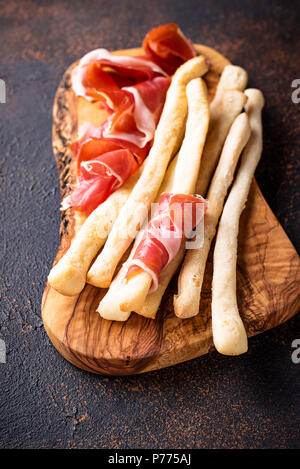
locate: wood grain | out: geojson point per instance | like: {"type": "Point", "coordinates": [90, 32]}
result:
{"type": "Point", "coordinates": [268, 275]}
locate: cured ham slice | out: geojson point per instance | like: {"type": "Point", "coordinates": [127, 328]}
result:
{"type": "Point", "coordinates": [99, 70]}
{"type": "Point", "coordinates": [103, 165]}
{"type": "Point", "coordinates": [176, 216]}
{"type": "Point", "coordinates": [167, 46]}
{"type": "Point", "coordinates": [89, 148]}
{"type": "Point", "coordinates": [133, 91]}
{"type": "Point", "coordinates": [127, 134]}
{"type": "Point", "coordinates": [134, 112]}
{"type": "Point", "coordinates": [137, 113]}
{"type": "Point", "coordinates": [99, 177]}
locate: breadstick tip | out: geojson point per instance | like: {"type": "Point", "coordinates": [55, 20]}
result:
{"type": "Point", "coordinates": [234, 78]}
{"type": "Point", "coordinates": [66, 279]}
{"type": "Point", "coordinates": [255, 99]}
{"type": "Point", "coordinates": [229, 335]}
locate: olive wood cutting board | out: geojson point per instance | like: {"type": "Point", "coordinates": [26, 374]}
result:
{"type": "Point", "coordinates": [268, 273]}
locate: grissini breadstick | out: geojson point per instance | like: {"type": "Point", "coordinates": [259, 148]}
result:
{"type": "Point", "coordinates": [225, 107]}
{"type": "Point", "coordinates": [131, 295]}
{"type": "Point", "coordinates": [186, 303]}
{"type": "Point", "coordinates": [168, 137]}
{"type": "Point", "coordinates": [233, 78]}
{"type": "Point", "coordinates": [189, 157]}
{"type": "Point", "coordinates": [68, 276]}
{"type": "Point", "coordinates": [227, 104]}
{"type": "Point", "coordinates": [229, 333]}
{"type": "Point", "coordinates": [134, 292]}
{"type": "Point", "coordinates": [153, 300]}
{"type": "Point", "coordinates": [109, 307]}
{"type": "Point", "coordinates": [233, 102]}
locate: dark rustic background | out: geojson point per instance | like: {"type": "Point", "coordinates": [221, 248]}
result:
{"type": "Point", "coordinates": [250, 401]}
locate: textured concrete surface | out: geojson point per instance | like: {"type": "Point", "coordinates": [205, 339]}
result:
{"type": "Point", "coordinates": [213, 402]}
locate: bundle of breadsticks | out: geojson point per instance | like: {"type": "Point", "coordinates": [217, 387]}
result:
{"type": "Point", "coordinates": [193, 184]}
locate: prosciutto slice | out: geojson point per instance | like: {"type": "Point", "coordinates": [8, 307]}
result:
{"type": "Point", "coordinates": [167, 46]}
{"type": "Point", "coordinates": [99, 177]}
{"type": "Point", "coordinates": [99, 70]}
{"type": "Point", "coordinates": [165, 49]}
{"type": "Point", "coordinates": [132, 90]}
{"type": "Point", "coordinates": [137, 113]}
{"type": "Point", "coordinates": [134, 111]}
{"type": "Point", "coordinates": [175, 218]}
{"type": "Point", "coordinates": [108, 156]}
{"type": "Point", "coordinates": [92, 147]}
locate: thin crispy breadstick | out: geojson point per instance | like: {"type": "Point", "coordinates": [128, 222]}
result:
{"type": "Point", "coordinates": [189, 157]}
{"type": "Point", "coordinates": [229, 333]}
{"type": "Point", "coordinates": [233, 78]}
{"type": "Point", "coordinates": [132, 293]}
{"type": "Point", "coordinates": [231, 106]}
{"type": "Point", "coordinates": [168, 181]}
{"type": "Point", "coordinates": [225, 107]}
{"type": "Point", "coordinates": [153, 300]}
{"type": "Point", "coordinates": [186, 303]}
{"type": "Point", "coordinates": [168, 136]}
{"type": "Point", "coordinates": [68, 276]}
{"type": "Point", "coordinates": [109, 307]}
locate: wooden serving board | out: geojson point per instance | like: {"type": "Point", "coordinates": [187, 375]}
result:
{"type": "Point", "coordinates": [268, 274]}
